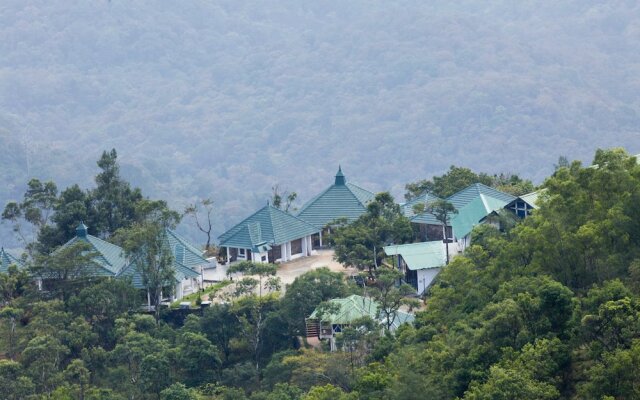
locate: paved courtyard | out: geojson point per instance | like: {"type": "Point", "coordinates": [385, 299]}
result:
{"type": "Point", "coordinates": [291, 270]}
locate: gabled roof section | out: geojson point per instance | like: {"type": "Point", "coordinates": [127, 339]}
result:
{"type": "Point", "coordinates": [267, 225]}
{"type": "Point", "coordinates": [422, 255]}
{"type": "Point", "coordinates": [473, 204]}
{"type": "Point", "coordinates": [111, 258]}
{"type": "Point", "coordinates": [340, 200]}
{"type": "Point", "coordinates": [184, 251]}
{"type": "Point", "coordinates": [354, 307]}
{"type": "Point", "coordinates": [531, 198]}
{"type": "Point", "coordinates": [7, 259]}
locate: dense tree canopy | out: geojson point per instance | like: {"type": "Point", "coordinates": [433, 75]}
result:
{"type": "Point", "coordinates": [549, 309]}
{"type": "Point", "coordinates": [361, 243]}
{"type": "Point", "coordinates": [495, 86]}
{"type": "Point", "coordinates": [457, 178]}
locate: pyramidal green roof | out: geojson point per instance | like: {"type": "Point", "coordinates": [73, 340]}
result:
{"type": "Point", "coordinates": [354, 307]}
{"type": "Point", "coordinates": [184, 251]}
{"type": "Point", "coordinates": [340, 200]}
{"type": "Point", "coordinates": [7, 259]}
{"type": "Point", "coordinates": [267, 225]}
{"type": "Point", "coordinates": [111, 257]}
{"type": "Point", "coordinates": [473, 204]}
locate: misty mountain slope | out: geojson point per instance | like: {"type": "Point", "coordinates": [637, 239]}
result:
{"type": "Point", "coordinates": [225, 100]}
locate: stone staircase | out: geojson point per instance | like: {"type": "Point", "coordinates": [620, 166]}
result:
{"type": "Point", "coordinates": [313, 328]}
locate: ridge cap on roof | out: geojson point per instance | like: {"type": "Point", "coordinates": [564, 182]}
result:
{"type": "Point", "coordinates": [242, 221]}
{"type": "Point", "coordinates": [185, 242]}
{"type": "Point", "coordinates": [359, 187]}
{"type": "Point", "coordinates": [294, 216]}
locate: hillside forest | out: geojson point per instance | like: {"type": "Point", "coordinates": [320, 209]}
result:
{"type": "Point", "coordinates": [546, 309]}
{"type": "Point", "coordinates": [227, 99]}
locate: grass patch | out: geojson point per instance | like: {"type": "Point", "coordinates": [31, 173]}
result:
{"type": "Point", "coordinates": [208, 291]}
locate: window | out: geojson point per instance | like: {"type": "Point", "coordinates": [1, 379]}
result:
{"type": "Point", "coordinates": [241, 252]}
{"type": "Point", "coordinates": [521, 209]}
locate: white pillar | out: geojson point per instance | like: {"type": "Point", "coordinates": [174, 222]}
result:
{"type": "Point", "coordinates": [228, 255]}
{"type": "Point", "coordinates": [304, 246]}
{"type": "Point", "coordinates": [309, 244]}
{"type": "Point", "coordinates": [320, 237]}
{"type": "Point", "coordinates": [288, 251]}
{"type": "Point", "coordinates": [283, 252]}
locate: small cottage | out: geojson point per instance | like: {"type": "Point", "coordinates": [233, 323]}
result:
{"type": "Point", "coordinates": [349, 309]}
{"type": "Point", "coordinates": [269, 235]}
{"type": "Point", "coordinates": [419, 262]}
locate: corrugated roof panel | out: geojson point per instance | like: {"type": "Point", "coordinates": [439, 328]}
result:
{"type": "Point", "coordinates": [420, 255]}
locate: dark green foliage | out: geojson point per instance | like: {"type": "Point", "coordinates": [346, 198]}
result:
{"type": "Point", "coordinates": [145, 243]}
{"type": "Point", "coordinates": [178, 391]}
{"type": "Point", "coordinates": [549, 309]}
{"type": "Point", "coordinates": [361, 243]}
{"type": "Point", "coordinates": [306, 292]}
{"type": "Point", "coordinates": [110, 206]}
{"type": "Point", "coordinates": [458, 178]}
{"type": "Point", "coordinates": [67, 271]}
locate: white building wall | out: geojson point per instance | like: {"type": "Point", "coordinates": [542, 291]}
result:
{"type": "Point", "coordinates": [426, 277]}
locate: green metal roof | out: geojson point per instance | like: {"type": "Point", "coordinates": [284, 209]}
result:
{"type": "Point", "coordinates": [184, 251]}
{"type": "Point", "coordinates": [354, 307]}
{"type": "Point", "coordinates": [531, 198]}
{"type": "Point", "coordinates": [473, 204]}
{"type": "Point", "coordinates": [424, 198]}
{"type": "Point", "coordinates": [425, 217]}
{"type": "Point", "coordinates": [111, 258]}
{"type": "Point", "coordinates": [267, 225]}
{"type": "Point", "coordinates": [340, 200]}
{"type": "Point", "coordinates": [420, 255]}
{"type": "Point", "coordinates": [7, 259]}
{"type": "Point", "coordinates": [473, 191]}
{"type": "Point", "coordinates": [131, 271]}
